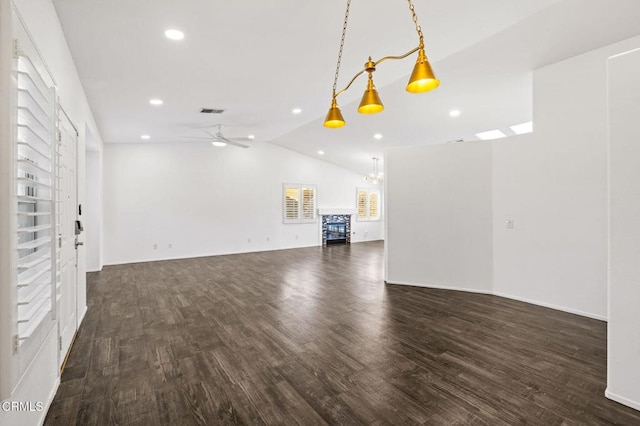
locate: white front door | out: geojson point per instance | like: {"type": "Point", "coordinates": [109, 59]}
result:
{"type": "Point", "coordinates": [67, 251]}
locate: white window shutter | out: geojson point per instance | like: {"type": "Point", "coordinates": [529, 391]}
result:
{"type": "Point", "coordinates": [299, 203]}
{"type": "Point", "coordinates": [368, 204]}
{"type": "Point", "coordinates": [35, 198]}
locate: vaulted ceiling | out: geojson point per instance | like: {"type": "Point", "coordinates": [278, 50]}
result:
{"type": "Point", "coordinates": [259, 60]}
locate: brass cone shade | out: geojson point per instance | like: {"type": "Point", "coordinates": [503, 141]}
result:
{"type": "Point", "coordinates": [334, 118]}
{"type": "Point", "coordinates": [371, 102]}
{"type": "Point", "coordinates": [422, 78]}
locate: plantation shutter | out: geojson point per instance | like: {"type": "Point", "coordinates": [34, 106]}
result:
{"type": "Point", "coordinates": [292, 196]}
{"type": "Point", "coordinates": [35, 196]}
{"type": "Point", "coordinates": [368, 204]}
{"type": "Point", "coordinates": [373, 205]}
{"type": "Point", "coordinates": [308, 203]}
{"type": "Point", "coordinates": [299, 203]}
{"type": "Point", "coordinates": [362, 204]}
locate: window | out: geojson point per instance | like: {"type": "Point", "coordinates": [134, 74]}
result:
{"type": "Point", "coordinates": [35, 185]}
{"type": "Point", "coordinates": [368, 204]}
{"type": "Point", "coordinates": [299, 203]}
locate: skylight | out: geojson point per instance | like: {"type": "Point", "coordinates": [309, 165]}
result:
{"type": "Point", "coordinates": [521, 129]}
{"type": "Point", "coordinates": [491, 134]}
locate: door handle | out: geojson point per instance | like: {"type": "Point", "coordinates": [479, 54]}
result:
{"type": "Point", "coordinates": [79, 243]}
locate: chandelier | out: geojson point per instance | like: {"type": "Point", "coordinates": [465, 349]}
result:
{"type": "Point", "coordinates": [376, 175]}
{"type": "Point", "coordinates": [422, 78]}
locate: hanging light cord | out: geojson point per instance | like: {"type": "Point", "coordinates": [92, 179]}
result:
{"type": "Point", "coordinates": [415, 22]}
{"type": "Point", "coordinates": [422, 78]}
{"type": "Point", "coordinates": [344, 34]}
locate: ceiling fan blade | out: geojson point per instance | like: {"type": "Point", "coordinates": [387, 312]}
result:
{"type": "Point", "coordinates": [233, 142]}
{"type": "Point", "coordinates": [200, 125]}
{"type": "Point", "coordinates": [218, 137]}
{"type": "Point", "coordinates": [239, 145]}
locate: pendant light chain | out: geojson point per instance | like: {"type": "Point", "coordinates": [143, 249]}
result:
{"type": "Point", "coordinates": [422, 77]}
{"type": "Point", "coordinates": [344, 33]}
{"type": "Point", "coordinates": [415, 22]}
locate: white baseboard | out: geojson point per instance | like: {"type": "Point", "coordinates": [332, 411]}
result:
{"type": "Point", "coordinates": [94, 270]}
{"type": "Point", "coordinates": [128, 262]}
{"type": "Point", "coordinates": [622, 400]}
{"type": "Point", "coordinates": [507, 296]}
{"type": "Point", "coordinates": [441, 287]}
{"type": "Point", "coordinates": [366, 240]}
{"type": "Point", "coordinates": [197, 256]}
{"type": "Point", "coordinates": [82, 314]}
{"type": "Point", "coordinates": [52, 395]}
{"type": "Point", "coordinates": [552, 306]}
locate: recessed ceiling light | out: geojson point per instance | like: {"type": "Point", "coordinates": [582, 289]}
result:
{"type": "Point", "coordinates": [378, 136]}
{"type": "Point", "coordinates": [218, 144]}
{"type": "Point", "coordinates": [521, 129]}
{"type": "Point", "coordinates": [491, 134]}
{"type": "Point", "coordinates": [173, 34]}
{"type": "Point", "coordinates": [454, 113]}
{"type": "Point", "coordinates": [145, 137]}
{"type": "Point", "coordinates": [321, 152]}
{"type": "Point", "coordinates": [296, 110]}
{"type": "Point", "coordinates": [252, 137]}
{"type": "Point", "coordinates": [156, 102]}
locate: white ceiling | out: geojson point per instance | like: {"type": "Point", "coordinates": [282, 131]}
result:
{"type": "Point", "coordinates": [261, 59]}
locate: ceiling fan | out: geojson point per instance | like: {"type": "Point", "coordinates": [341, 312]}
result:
{"type": "Point", "coordinates": [220, 140]}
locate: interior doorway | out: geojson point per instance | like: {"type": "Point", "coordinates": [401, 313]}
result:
{"type": "Point", "coordinates": [68, 228]}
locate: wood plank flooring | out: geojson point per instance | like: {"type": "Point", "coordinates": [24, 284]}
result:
{"type": "Point", "coordinates": [313, 336]}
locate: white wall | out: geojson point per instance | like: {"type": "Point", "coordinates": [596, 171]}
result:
{"type": "Point", "coordinates": [93, 211]}
{"type": "Point", "coordinates": [205, 201]}
{"type": "Point", "coordinates": [552, 183]}
{"type": "Point", "coordinates": [39, 381]}
{"type": "Point", "coordinates": [443, 237]}
{"type": "Point", "coordinates": [623, 371]}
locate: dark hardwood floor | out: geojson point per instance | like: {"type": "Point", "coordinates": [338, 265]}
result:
{"type": "Point", "coordinates": [313, 336]}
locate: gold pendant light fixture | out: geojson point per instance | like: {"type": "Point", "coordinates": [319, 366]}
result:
{"type": "Point", "coordinates": [371, 102]}
{"type": "Point", "coordinates": [422, 78]}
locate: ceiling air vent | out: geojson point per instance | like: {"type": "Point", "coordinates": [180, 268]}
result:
{"type": "Point", "coordinates": [211, 111]}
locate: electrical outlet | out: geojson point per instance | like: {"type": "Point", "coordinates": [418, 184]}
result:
{"type": "Point", "coordinates": [510, 223]}
{"type": "Point", "coordinates": [249, 240]}
{"type": "Point", "coordinates": [170, 245]}
{"type": "Point", "coordinates": [155, 246]}
{"type": "Point", "coordinates": [268, 239]}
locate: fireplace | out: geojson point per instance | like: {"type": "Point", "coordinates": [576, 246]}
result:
{"type": "Point", "coordinates": [336, 232]}
{"type": "Point", "coordinates": [336, 229]}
